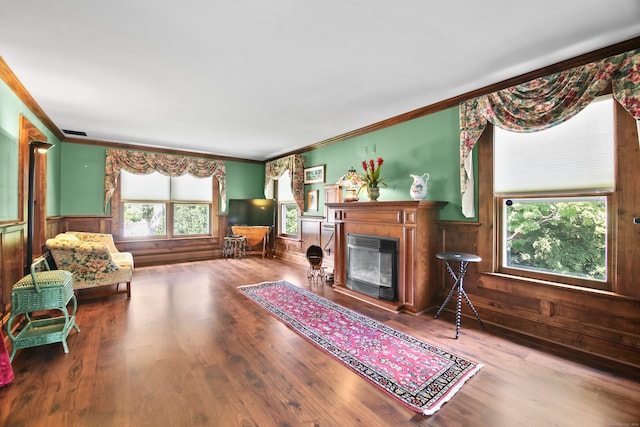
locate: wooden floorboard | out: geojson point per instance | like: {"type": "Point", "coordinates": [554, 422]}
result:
{"type": "Point", "coordinates": [188, 349]}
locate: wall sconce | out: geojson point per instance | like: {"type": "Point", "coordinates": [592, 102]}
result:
{"type": "Point", "coordinates": [34, 147]}
{"type": "Point", "coordinates": [352, 182]}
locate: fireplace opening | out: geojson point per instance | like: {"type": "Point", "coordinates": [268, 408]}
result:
{"type": "Point", "coordinates": [372, 266]}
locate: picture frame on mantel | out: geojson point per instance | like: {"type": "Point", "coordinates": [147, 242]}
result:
{"type": "Point", "coordinates": [314, 175]}
{"type": "Point", "coordinates": [312, 200]}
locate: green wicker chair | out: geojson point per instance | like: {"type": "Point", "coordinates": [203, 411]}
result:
{"type": "Point", "coordinates": [41, 291]}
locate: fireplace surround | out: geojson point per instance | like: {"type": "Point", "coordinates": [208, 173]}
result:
{"type": "Point", "coordinates": [413, 225]}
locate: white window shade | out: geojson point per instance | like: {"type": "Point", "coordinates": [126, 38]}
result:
{"type": "Point", "coordinates": [153, 186]}
{"type": "Point", "coordinates": [192, 189]}
{"type": "Point", "coordinates": [284, 188]}
{"type": "Point", "coordinates": [575, 155]}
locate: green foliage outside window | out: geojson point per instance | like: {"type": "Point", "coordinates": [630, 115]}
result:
{"type": "Point", "coordinates": [144, 219]}
{"type": "Point", "coordinates": [558, 236]}
{"type": "Point", "coordinates": [191, 219]}
{"type": "Point", "coordinates": [291, 219]}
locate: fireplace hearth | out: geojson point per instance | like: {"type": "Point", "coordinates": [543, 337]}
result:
{"type": "Point", "coordinates": [372, 266]}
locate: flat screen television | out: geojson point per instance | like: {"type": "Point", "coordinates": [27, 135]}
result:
{"type": "Point", "coordinates": [252, 212]}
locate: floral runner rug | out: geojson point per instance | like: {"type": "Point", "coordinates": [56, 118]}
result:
{"type": "Point", "coordinates": [420, 375]}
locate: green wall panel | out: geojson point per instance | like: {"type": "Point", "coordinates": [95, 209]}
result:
{"type": "Point", "coordinates": [82, 180]}
{"type": "Point", "coordinates": [11, 108]}
{"type": "Point", "coordinates": [76, 171]}
{"type": "Point", "coordinates": [8, 176]}
{"type": "Point", "coordinates": [245, 180]}
{"type": "Point", "coordinates": [427, 144]}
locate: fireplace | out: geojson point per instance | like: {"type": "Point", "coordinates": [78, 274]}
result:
{"type": "Point", "coordinates": [372, 266]}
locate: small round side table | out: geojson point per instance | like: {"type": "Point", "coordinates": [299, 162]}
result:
{"type": "Point", "coordinates": [464, 259]}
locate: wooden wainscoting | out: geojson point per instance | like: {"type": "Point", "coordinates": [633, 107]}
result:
{"type": "Point", "coordinates": [592, 321]}
{"type": "Point", "coordinates": [315, 230]}
{"type": "Point", "coordinates": [12, 260]}
{"type": "Point", "coordinates": [146, 252]}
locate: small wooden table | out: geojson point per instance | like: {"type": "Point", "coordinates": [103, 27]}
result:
{"type": "Point", "coordinates": [254, 235]}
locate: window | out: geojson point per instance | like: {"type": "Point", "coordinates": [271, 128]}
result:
{"type": "Point", "coordinates": [288, 218]}
{"type": "Point", "coordinates": [564, 236]}
{"type": "Point", "coordinates": [553, 189]}
{"type": "Point", "coordinates": [155, 205]}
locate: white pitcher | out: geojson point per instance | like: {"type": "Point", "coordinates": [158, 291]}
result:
{"type": "Point", "coordinates": [419, 186]}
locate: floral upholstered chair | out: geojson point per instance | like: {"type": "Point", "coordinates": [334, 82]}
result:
{"type": "Point", "coordinates": [93, 259]}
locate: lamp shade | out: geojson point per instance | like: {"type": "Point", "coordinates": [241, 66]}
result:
{"type": "Point", "coordinates": [351, 181]}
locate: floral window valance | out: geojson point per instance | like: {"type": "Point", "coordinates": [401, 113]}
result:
{"type": "Point", "coordinates": [142, 162]}
{"type": "Point", "coordinates": [542, 103]}
{"type": "Point", "coordinates": [295, 164]}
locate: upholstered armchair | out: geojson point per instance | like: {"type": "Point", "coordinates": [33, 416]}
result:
{"type": "Point", "coordinates": [93, 259]}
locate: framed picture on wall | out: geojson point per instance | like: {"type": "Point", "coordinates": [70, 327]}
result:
{"type": "Point", "coordinates": [314, 175]}
{"type": "Point", "coordinates": [312, 200]}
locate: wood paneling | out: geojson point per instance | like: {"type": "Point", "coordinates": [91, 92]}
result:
{"type": "Point", "coordinates": [12, 256]}
{"type": "Point", "coordinates": [627, 243]}
{"type": "Point", "coordinates": [87, 223]}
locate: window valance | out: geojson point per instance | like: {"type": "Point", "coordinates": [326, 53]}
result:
{"type": "Point", "coordinates": [142, 162]}
{"type": "Point", "coordinates": [295, 164]}
{"type": "Point", "coordinates": [542, 103]}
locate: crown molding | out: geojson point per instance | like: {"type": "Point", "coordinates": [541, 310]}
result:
{"type": "Point", "coordinates": [7, 75]}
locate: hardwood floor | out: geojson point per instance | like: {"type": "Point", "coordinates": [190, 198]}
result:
{"type": "Point", "coordinates": [189, 350]}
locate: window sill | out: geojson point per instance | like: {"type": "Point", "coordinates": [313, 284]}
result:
{"type": "Point", "coordinates": [164, 239]}
{"type": "Point", "coordinates": [291, 238]}
{"type": "Point", "coordinates": [546, 283]}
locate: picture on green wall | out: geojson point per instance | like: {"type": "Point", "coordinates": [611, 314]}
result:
{"type": "Point", "coordinates": [314, 175]}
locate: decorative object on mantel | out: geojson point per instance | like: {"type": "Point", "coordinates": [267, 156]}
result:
{"type": "Point", "coordinates": [419, 188]}
{"type": "Point", "coordinates": [373, 193]}
{"type": "Point", "coordinates": [419, 375]}
{"type": "Point", "coordinates": [372, 178]}
{"type": "Point", "coordinates": [352, 182]}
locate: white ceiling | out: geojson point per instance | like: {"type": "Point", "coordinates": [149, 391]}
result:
{"type": "Point", "coordinates": [255, 79]}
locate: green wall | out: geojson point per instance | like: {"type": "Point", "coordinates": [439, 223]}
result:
{"type": "Point", "coordinates": [11, 107]}
{"type": "Point", "coordinates": [244, 180]}
{"type": "Point", "coordinates": [76, 171]}
{"type": "Point", "coordinates": [427, 144]}
{"type": "Point", "coordinates": [83, 179]}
